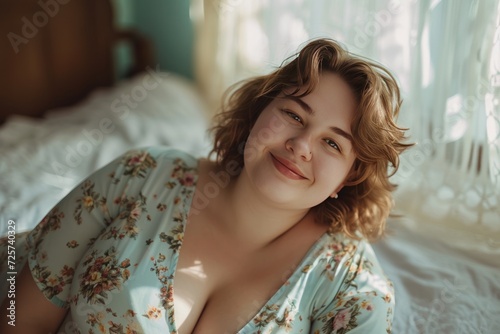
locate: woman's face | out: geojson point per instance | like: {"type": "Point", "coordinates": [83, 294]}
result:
{"type": "Point", "coordinates": [300, 150]}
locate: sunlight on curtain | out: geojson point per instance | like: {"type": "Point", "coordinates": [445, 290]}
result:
{"type": "Point", "coordinates": [446, 56]}
{"type": "Point", "coordinates": [451, 179]}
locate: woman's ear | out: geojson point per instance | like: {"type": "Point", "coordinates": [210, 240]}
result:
{"type": "Point", "coordinates": [335, 194]}
{"type": "Point", "coordinates": [350, 179]}
{"type": "Point", "coordinates": [354, 175]}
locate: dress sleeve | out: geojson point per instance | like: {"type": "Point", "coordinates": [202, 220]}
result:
{"type": "Point", "coordinates": [364, 304]}
{"type": "Point", "coordinates": [60, 240]}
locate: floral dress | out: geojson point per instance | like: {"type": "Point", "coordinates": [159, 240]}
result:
{"type": "Point", "coordinates": [108, 252]}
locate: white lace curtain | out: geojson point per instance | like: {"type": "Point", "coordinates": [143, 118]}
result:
{"type": "Point", "coordinates": [446, 56]}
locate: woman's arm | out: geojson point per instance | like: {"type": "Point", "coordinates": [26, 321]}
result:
{"type": "Point", "coordinates": [60, 240]}
{"type": "Point", "coordinates": [33, 312]}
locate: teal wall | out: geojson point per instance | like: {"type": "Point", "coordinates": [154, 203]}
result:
{"type": "Point", "coordinates": [167, 24]}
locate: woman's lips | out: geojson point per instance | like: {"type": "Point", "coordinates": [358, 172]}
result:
{"type": "Point", "coordinates": [287, 168]}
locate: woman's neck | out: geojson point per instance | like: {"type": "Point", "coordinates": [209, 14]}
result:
{"type": "Point", "coordinates": [241, 213]}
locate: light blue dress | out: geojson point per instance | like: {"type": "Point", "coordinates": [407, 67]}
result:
{"type": "Point", "coordinates": [108, 252]}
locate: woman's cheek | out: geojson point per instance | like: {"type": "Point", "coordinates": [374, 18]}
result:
{"type": "Point", "coordinates": [272, 132]}
{"type": "Point", "coordinates": [250, 150]}
{"type": "Point", "coordinates": [277, 124]}
{"type": "Point", "coordinates": [267, 131]}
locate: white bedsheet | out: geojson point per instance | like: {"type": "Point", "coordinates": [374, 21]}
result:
{"type": "Point", "coordinates": [41, 161]}
{"type": "Point", "coordinates": [439, 288]}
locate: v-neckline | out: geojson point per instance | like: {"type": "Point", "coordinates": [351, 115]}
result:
{"type": "Point", "coordinates": [289, 283]}
{"type": "Point", "coordinates": [187, 206]}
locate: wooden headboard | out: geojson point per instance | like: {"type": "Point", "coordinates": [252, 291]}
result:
{"type": "Point", "coordinates": [54, 52]}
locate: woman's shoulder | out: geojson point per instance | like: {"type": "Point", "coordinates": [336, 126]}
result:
{"type": "Point", "coordinates": [352, 264]}
{"type": "Point", "coordinates": [163, 153]}
{"type": "Point", "coordinates": [153, 162]}
{"type": "Point", "coordinates": [348, 278]}
{"type": "Point", "coordinates": [157, 159]}
{"type": "Point", "coordinates": [348, 290]}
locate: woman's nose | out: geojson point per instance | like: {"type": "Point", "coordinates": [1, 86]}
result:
{"type": "Point", "coordinates": [300, 146]}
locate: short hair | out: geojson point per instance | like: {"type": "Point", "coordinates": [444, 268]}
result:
{"type": "Point", "coordinates": [365, 201]}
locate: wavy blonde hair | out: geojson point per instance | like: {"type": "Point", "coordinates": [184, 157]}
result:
{"type": "Point", "coordinates": [364, 203]}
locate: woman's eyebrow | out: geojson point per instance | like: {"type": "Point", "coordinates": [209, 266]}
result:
{"type": "Point", "coordinates": [302, 104]}
{"type": "Point", "coordinates": [307, 108]}
{"type": "Point", "coordinates": [342, 133]}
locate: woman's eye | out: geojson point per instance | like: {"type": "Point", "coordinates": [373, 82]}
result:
{"type": "Point", "coordinates": [332, 144]}
{"type": "Point", "coordinates": [293, 116]}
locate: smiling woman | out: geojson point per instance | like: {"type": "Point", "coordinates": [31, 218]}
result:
{"type": "Point", "coordinates": [269, 236]}
{"type": "Point", "coordinates": [311, 128]}
{"type": "Point", "coordinates": [363, 206]}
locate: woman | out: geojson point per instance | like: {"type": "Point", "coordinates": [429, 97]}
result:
{"type": "Point", "coordinates": [271, 236]}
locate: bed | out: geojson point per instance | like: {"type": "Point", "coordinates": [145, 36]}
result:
{"type": "Point", "coordinates": [64, 114]}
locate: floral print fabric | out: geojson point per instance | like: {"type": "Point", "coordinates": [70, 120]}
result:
{"type": "Point", "coordinates": [108, 252]}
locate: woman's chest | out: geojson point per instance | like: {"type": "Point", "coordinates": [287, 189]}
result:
{"type": "Point", "coordinates": [218, 294]}
{"type": "Point", "coordinates": [219, 288]}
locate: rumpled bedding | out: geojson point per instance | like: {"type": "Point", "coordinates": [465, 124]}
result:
{"type": "Point", "coordinates": [42, 160]}
{"type": "Point", "coordinates": [439, 288]}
